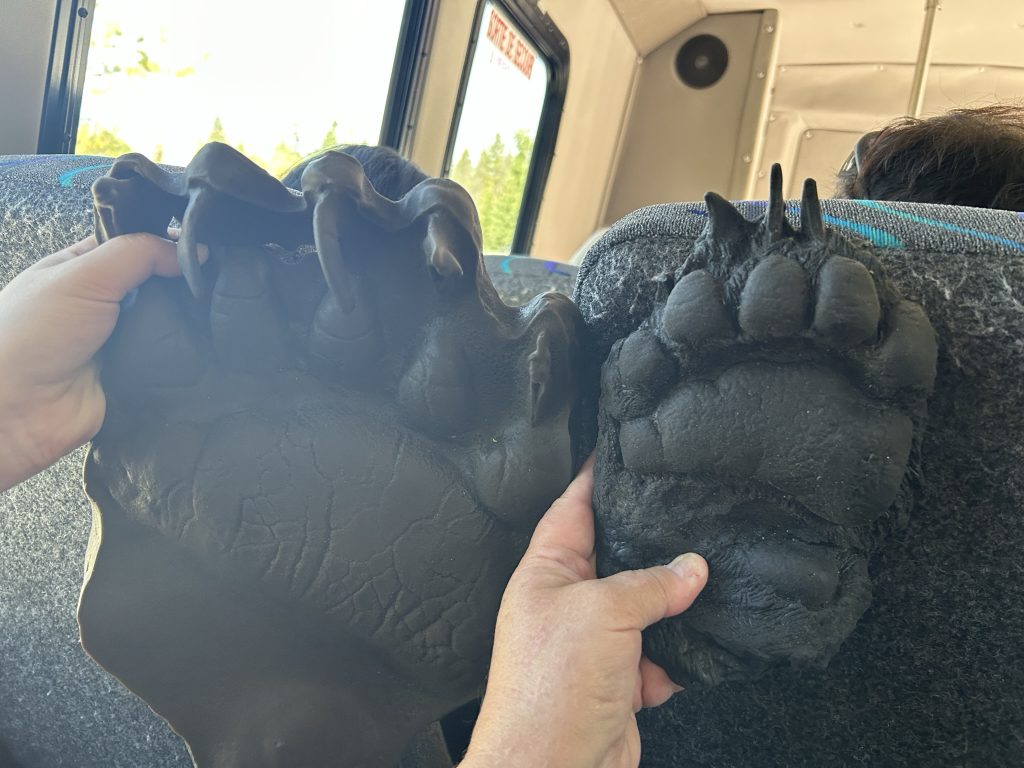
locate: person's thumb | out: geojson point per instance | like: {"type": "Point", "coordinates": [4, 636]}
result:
{"type": "Point", "coordinates": [116, 267]}
{"type": "Point", "coordinates": [641, 598]}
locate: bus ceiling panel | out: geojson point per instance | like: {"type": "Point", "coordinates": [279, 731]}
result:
{"type": "Point", "coordinates": [863, 97]}
{"type": "Point", "coordinates": [840, 31]}
{"type": "Point", "coordinates": [820, 154]}
{"type": "Point", "coordinates": [819, 111]}
{"type": "Point", "coordinates": [980, 32]}
{"type": "Point", "coordinates": [650, 23]}
{"type": "Point", "coordinates": [26, 32]}
{"type": "Point", "coordinates": [854, 92]}
{"type": "Point", "coordinates": [958, 85]}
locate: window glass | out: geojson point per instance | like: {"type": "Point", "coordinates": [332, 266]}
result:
{"type": "Point", "coordinates": [276, 81]}
{"type": "Point", "coordinates": [501, 110]}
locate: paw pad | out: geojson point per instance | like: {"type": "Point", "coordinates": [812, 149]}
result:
{"type": "Point", "coordinates": [764, 416]}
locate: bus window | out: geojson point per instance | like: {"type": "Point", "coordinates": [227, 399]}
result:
{"type": "Point", "coordinates": [277, 83]}
{"type": "Point", "coordinates": [501, 111]}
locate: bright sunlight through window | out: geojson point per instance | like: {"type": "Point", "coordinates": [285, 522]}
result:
{"type": "Point", "coordinates": [277, 84]}
{"type": "Point", "coordinates": [504, 99]}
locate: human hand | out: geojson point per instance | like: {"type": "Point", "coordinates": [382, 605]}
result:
{"type": "Point", "coordinates": [567, 672]}
{"type": "Point", "coordinates": [54, 317]}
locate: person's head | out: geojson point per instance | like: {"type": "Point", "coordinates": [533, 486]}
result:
{"type": "Point", "coordinates": [971, 157]}
{"type": "Point", "coordinates": [390, 173]}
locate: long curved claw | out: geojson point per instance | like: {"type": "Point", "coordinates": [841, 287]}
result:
{"type": "Point", "coordinates": [811, 222]}
{"type": "Point", "coordinates": [724, 221]}
{"type": "Point", "coordinates": [775, 221]}
{"type": "Point", "coordinates": [188, 250]}
{"type": "Point", "coordinates": [539, 363]}
{"type": "Point", "coordinates": [104, 195]}
{"type": "Point", "coordinates": [555, 356]}
{"type": "Point", "coordinates": [439, 250]}
{"type": "Point", "coordinates": [328, 214]}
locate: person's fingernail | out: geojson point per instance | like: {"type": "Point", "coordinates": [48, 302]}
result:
{"type": "Point", "coordinates": [688, 565]}
{"type": "Point", "coordinates": [677, 688]}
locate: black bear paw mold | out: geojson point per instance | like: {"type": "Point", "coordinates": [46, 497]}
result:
{"type": "Point", "coordinates": [765, 416]}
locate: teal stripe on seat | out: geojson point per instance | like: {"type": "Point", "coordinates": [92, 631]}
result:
{"type": "Point", "coordinates": [21, 161]}
{"type": "Point", "coordinates": [877, 236]}
{"type": "Point", "coordinates": [66, 177]}
{"type": "Point", "coordinates": [988, 236]}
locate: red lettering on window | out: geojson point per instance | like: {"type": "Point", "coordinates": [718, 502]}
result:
{"type": "Point", "coordinates": [509, 44]}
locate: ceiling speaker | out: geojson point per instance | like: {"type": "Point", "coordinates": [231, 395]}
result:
{"type": "Point", "coordinates": [701, 61]}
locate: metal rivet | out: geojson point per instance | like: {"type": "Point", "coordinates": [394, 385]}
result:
{"type": "Point", "coordinates": [746, 158]}
{"type": "Point", "coordinates": [760, 174]}
{"type": "Point", "coordinates": [769, 28]}
{"type": "Point", "coordinates": [760, 75]}
{"type": "Point", "coordinates": [771, 118]}
{"type": "Point", "coordinates": [808, 135]}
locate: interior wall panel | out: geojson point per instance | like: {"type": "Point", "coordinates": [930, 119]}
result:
{"type": "Point", "coordinates": [818, 112]}
{"type": "Point", "coordinates": [650, 23]}
{"type": "Point", "coordinates": [980, 32]}
{"type": "Point", "coordinates": [26, 27]}
{"type": "Point", "coordinates": [602, 62]}
{"type": "Point", "coordinates": [682, 141]}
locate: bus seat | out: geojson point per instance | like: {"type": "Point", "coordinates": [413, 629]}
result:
{"type": "Point", "coordinates": [934, 673]}
{"type": "Point", "coordinates": [519, 278]}
{"type": "Point", "coordinates": [58, 707]}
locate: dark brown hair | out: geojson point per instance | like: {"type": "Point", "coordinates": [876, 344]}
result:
{"type": "Point", "coordinates": [965, 157]}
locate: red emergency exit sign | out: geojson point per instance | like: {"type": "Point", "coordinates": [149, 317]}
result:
{"type": "Point", "coordinates": [510, 43]}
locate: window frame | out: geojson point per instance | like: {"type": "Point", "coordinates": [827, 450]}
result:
{"type": "Point", "coordinates": [69, 52]}
{"type": "Point", "coordinates": [408, 73]}
{"type": "Point", "coordinates": [65, 76]}
{"type": "Point", "coordinates": [538, 28]}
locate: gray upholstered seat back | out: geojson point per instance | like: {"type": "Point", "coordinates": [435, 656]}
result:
{"type": "Point", "coordinates": [934, 673]}
{"type": "Point", "coordinates": [57, 707]}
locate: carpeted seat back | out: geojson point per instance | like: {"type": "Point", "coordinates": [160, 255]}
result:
{"type": "Point", "coordinates": [934, 672]}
